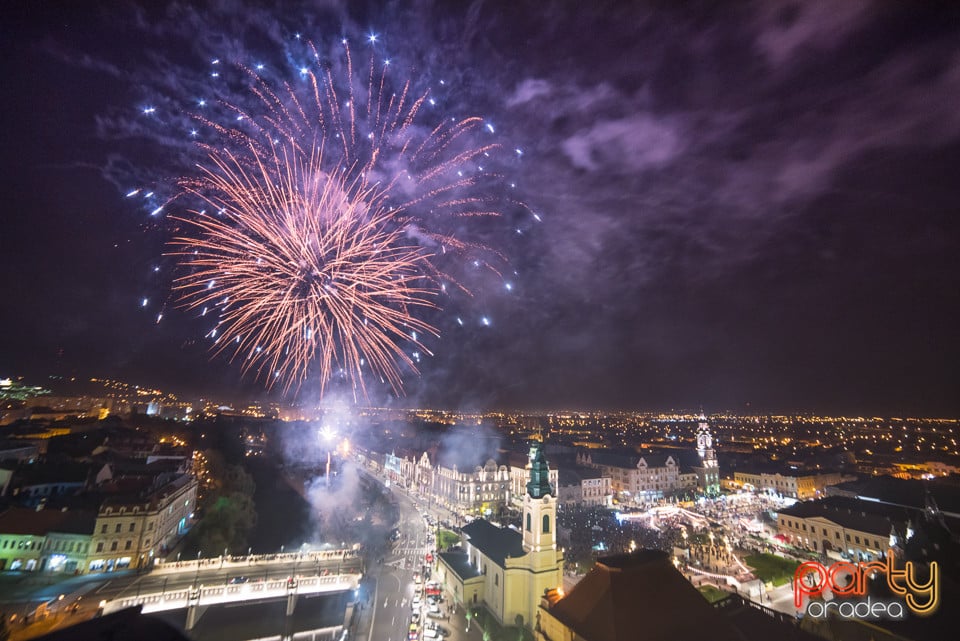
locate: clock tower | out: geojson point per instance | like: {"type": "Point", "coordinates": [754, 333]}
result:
{"type": "Point", "coordinates": [708, 472]}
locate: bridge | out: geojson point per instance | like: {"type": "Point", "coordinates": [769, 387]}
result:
{"type": "Point", "coordinates": [197, 599]}
{"type": "Point", "coordinates": [330, 572]}
{"type": "Point", "coordinates": [326, 559]}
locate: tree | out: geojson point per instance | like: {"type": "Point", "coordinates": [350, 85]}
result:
{"type": "Point", "coordinates": [446, 539]}
{"type": "Point", "coordinates": [228, 511]}
{"type": "Point", "coordinates": [225, 526]}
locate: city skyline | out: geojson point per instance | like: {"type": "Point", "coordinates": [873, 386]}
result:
{"type": "Point", "coordinates": [749, 210]}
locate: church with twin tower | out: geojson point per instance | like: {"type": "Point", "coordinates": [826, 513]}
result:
{"type": "Point", "coordinates": [507, 570]}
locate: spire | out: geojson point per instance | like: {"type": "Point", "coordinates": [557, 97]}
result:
{"type": "Point", "coordinates": [539, 484]}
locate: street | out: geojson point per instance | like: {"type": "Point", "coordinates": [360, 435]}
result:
{"type": "Point", "coordinates": [394, 577]}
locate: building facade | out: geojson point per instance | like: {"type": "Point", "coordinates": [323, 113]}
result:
{"type": "Point", "coordinates": [132, 531]}
{"type": "Point", "coordinates": [585, 486]}
{"type": "Point", "coordinates": [481, 491]}
{"type": "Point", "coordinates": [839, 527]}
{"type": "Point", "coordinates": [44, 540]}
{"type": "Point", "coordinates": [797, 485]}
{"type": "Point", "coordinates": [393, 469]}
{"type": "Point", "coordinates": [637, 479]}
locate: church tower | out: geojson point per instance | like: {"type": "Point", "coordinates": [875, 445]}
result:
{"type": "Point", "coordinates": [539, 506]}
{"type": "Point", "coordinates": [705, 443]}
{"type": "Point", "coordinates": [708, 473]}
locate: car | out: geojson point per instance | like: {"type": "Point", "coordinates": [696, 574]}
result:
{"type": "Point", "coordinates": [416, 603]}
{"type": "Point", "coordinates": [415, 617]}
{"type": "Point", "coordinates": [430, 633]}
{"type": "Point", "coordinates": [238, 579]}
{"type": "Point", "coordinates": [434, 608]}
{"type": "Point", "coordinates": [444, 632]}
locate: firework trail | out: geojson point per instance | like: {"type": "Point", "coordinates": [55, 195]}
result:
{"type": "Point", "coordinates": [332, 210]}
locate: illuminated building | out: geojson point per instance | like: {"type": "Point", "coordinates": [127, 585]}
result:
{"type": "Point", "coordinates": [636, 478]}
{"type": "Point", "coordinates": [44, 540]}
{"type": "Point", "coordinates": [481, 489]}
{"type": "Point", "coordinates": [786, 482]}
{"type": "Point", "coordinates": [840, 527]}
{"type": "Point", "coordinates": [134, 529]}
{"type": "Point", "coordinates": [508, 570]}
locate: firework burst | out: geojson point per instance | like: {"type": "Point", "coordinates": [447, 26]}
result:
{"type": "Point", "coordinates": [331, 210]}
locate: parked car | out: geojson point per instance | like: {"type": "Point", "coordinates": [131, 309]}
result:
{"type": "Point", "coordinates": [238, 579]}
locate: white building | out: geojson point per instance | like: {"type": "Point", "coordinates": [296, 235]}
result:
{"type": "Point", "coordinates": [481, 490]}
{"type": "Point", "coordinates": [131, 531]}
{"type": "Point", "coordinates": [638, 478]}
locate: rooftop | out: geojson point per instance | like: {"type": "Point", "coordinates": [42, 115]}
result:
{"type": "Point", "coordinates": [905, 492]}
{"type": "Point", "coordinates": [865, 516]}
{"type": "Point", "coordinates": [783, 468]}
{"type": "Point", "coordinates": [459, 562]}
{"type": "Point", "coordinates": [574, 475]}
{"type": "Point", "coordinates": [496, 543]}
{"type": "Point", "coordinates": [640, 595]}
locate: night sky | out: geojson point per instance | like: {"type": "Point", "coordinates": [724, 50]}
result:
{"type": "Point", "coordinates": [753, 208]}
